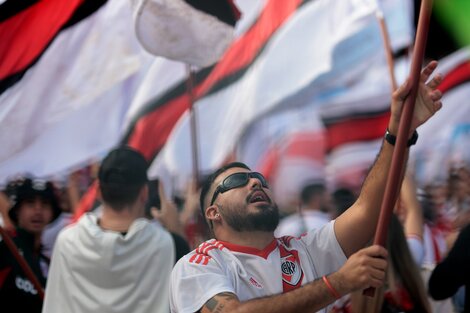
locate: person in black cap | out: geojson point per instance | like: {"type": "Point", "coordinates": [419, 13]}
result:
{"type": "Point", "coordinates": [34, 205]}
{"type": "Point", "coordinates": [115, 260]}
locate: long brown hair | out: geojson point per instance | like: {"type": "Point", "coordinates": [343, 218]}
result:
{"type": "Point", "coordinates": [402, 272]}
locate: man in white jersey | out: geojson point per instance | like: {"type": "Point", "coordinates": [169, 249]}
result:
{"type": "Point", "coordinates": [117, 260]}
{"type": "Point", "coordinates": [315, 212]}
{"type": "Point", "coordinates": [247, 269]}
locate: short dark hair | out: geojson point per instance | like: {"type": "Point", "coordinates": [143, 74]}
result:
{"type": "Point", "coordinates": [310, 191]}
{"type": "Point", "coordinates": [119, 197]}
{"type": "Point", "coordinates": [343, 198]}
{"type": "Point", "coordinates": [206, 186]}
{"type": "Point", "coordinates": [122, 174]}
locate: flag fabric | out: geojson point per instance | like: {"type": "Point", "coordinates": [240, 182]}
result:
{"type": "Point", "coordinates": [442, 140]}
{"type": "Point", "coordinates": [28, 27]}
{"type": "Point", "coordinates": [70, 106]}
{"type": "Point", "coordinates": [288, 147]}
{"type": "Point", "coordinates": [354, 118]}
{"type": "Point", "coordinates": [161, 98]}
{"type": "Point", "coordinates": [160, 115]}
{"type": "Point", "coordinates": [194, 32]}
{"type": "Point", "coordinates": [270, 83]}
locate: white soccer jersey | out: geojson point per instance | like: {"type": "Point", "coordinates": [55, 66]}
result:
{"type": "Point", "coordinates": [285, 264]}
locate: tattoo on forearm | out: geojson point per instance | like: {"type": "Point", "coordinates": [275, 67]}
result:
{"type": "Point", "coordinates": [211, 304]}
{"type": "Point", "coordinates": [215, 305]}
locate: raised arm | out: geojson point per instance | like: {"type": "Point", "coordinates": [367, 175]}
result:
{"type": "Point", "coordinates": [414, 220]}
{"type": "Point", "coordinates": [363, 269]}
{"type": "Point", "coordinates": [355, 227]}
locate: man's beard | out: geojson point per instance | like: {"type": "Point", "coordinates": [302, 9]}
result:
{"type": "Point", "coordinates": [237, 217]}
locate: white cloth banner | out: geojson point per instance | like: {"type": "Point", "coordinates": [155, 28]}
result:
{"type": "Point", "coordinates": [71, 104]}
{"type": "Point", "coordinates": [438, 146]}
{"type": "Point", "coordinates": [296, 68]}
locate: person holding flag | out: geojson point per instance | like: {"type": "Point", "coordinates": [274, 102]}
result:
{"type": "Point", "coordinates": [34, 205]}
{"type": "Point", "coordinates": [245, 268]}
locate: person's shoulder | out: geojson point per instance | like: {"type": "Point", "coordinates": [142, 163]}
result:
{"type": "Point", "coordinates": [204, 255]}
{"type": "Point", "coordinates": [68, 233]}
{"type": "Point", "coordinates": [157, 231]}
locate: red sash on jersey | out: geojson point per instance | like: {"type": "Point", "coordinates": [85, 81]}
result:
{"type": "Point", "coordinates": [292, 274]}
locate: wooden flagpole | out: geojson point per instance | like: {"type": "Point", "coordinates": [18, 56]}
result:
{"type": "Point", "coordinates": [24, 266]}
{"type": "Point", "coordinates": [398, 157]}
{"type": "Point", "coordinates": [193, 121]}
{"type": "Point", "coordinates": [388, 48]}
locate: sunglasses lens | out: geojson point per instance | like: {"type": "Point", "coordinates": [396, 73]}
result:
{"type": "Point", "coordinates": [241, 179]}
{"type": "Point", "coordinates": [235, 180]}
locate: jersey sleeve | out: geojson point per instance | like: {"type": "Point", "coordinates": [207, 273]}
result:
{"type": "Point", "coordinates": [195, 279]}
{"type": "Point", "coordinates": [324, 249]}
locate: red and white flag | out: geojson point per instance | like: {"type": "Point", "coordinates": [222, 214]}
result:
{"type": "Point", "coordinates": [70, 105]}
{"type": "Point", "coordinates": [295, 69]}
{"type": "Point", "coordinates": [443, 140]}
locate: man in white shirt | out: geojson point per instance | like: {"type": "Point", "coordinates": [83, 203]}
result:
{"type": "Point", "coordinates": [314, 213]}
{"type": "Point", "coordinates": [117, 261]}
{"type": "Point", "coordinates": [247, 269]}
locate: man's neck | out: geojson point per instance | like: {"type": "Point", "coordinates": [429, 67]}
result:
{"type": "Point", "coordinates": [253, 239]}
{"type": "Point", "coordinates": [118, 221]}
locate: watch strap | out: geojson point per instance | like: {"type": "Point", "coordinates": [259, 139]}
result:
{"type": "Point", "coordinates": [392, 139]}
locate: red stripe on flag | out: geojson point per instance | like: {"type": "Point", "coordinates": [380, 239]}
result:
{"type": "Point", "coordinates": [309, 145]}
{"type": "Point", "coordinates": [270, 163]}
{"type": "Point", "coordinates": [86, 202]}
{"type": "Point", "coordinates": [242, 52]}
{"type": "Point", "coordinates": [361, 129]}
{"type": "Point", "coordinates": [151, 131]}
{"type": "Point", "coordinates": [27, 34]}
{"type": "Point", "coordinates": [458, 75]}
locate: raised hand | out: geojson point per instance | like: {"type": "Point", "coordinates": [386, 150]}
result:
{"type": "Point", "coordinates": [428, 98]}
{"type": "Point", "coordinates": [168, 213]}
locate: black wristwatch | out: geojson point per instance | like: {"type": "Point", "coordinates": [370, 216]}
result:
{"type": "Point", "coordinates": [391, 139]}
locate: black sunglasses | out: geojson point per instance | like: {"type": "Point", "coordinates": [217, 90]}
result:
{"type": "Point", "coordinates": [237, 180]}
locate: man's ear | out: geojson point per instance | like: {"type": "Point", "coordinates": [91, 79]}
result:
{"type": "Point", "coordinates": [212, 213]}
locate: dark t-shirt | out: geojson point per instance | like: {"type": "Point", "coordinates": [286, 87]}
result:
{"type": "Point", "coordinates": [181, 246]}
{"type": "Point", "coordinates": [17, 293]}
{"type": "Point", "coordinates": [454, 271]}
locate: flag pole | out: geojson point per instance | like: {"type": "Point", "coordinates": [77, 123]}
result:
{"type": "Point", "coordinates": [398, 157]}
{"type": "Point", "coordinates": [193, 123]}
{"type": "Point", "coordinates": [24, 266]}
{"type": "Point", "coordinates": [388, 48]}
